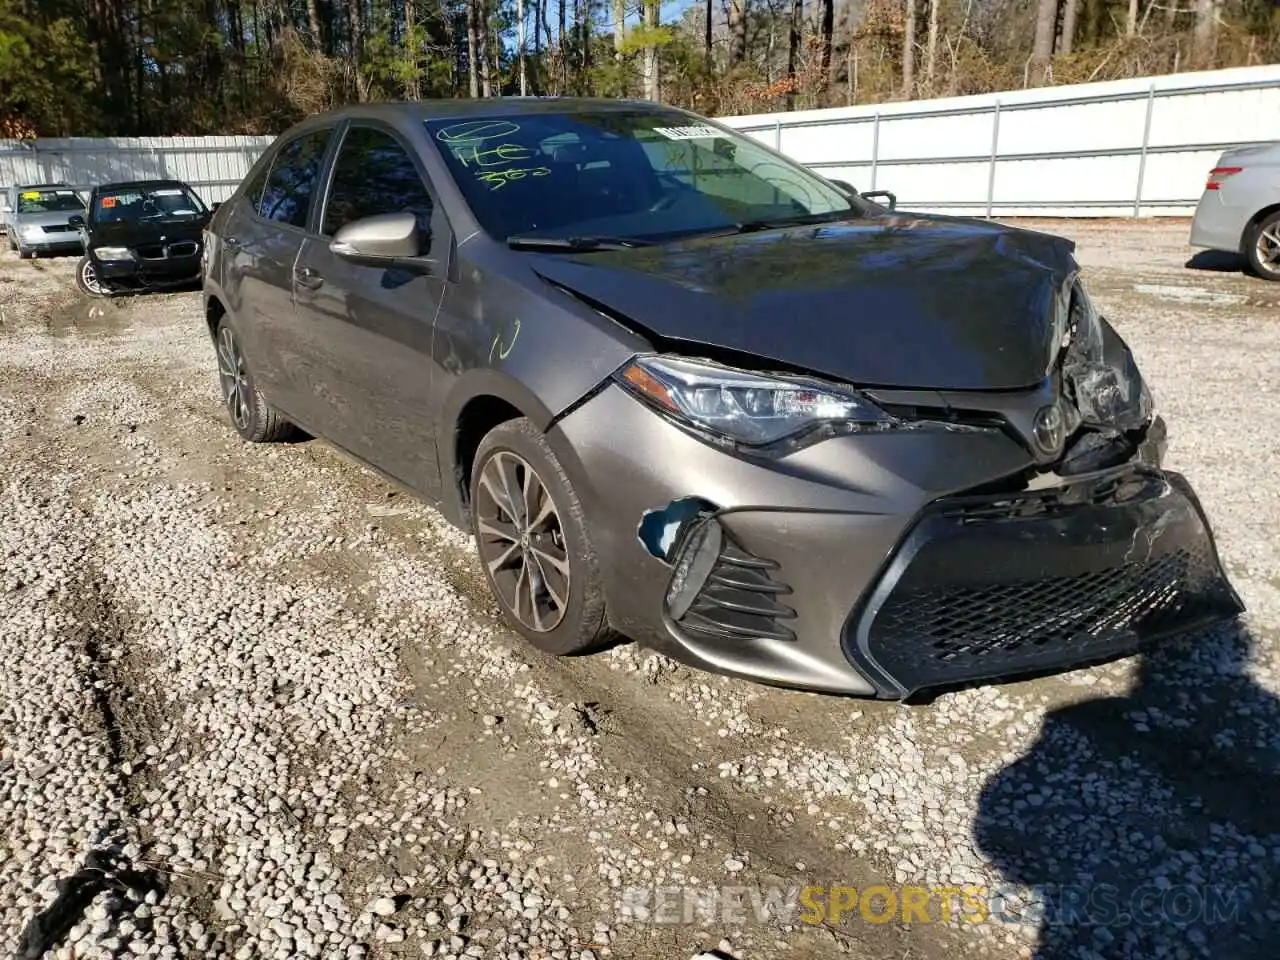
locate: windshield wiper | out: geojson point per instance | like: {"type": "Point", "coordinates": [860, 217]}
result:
{"type": "Point", "coordinates": [525, 242]}
{"type": "Point", "coordinates": [777, 223]}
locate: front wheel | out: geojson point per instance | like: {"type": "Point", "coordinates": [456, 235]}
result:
{"type": "Point", "coordinates": [1264, 247]}
{"type": "Point", "coordinates": [533, 542]}
{"type": "Point", "coordinates": [88, 281]}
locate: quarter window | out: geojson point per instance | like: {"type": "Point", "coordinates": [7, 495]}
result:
{"type": "Point", "coordinates": [287, 196]}
{"type": "Point", "coordinates": [374, 174]}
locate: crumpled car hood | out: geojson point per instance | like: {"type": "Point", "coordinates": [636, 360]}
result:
{"type": "Point", "coordinates": [898, 301]}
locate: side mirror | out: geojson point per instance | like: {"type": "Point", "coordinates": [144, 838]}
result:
{"type": "Point", "coordinates": [845, 186]}
{"type": "Point", "coordinates": [76, 220]}
{"type": "Point", "coordinates": [388, 240]}
{"type": "Point", "coordinates": [213, 207]}
{"type": "Point", "coordinates": [893, 199]}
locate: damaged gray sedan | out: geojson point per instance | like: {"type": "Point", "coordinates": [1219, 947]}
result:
{"type": "Point", "coordinates": [679, 387]}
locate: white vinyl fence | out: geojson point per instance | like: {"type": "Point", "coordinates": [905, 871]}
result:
{"type": "Point", "coordinates": [1124, 148]}
{"type": "Point", "coordinates": [214, 166]}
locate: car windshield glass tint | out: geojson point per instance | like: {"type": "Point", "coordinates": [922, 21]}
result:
{"type": "Point", "coordinates": [159, 203]}
{"type": "Point", "coordinates": [642, 174]}
{"type": "Point", "coordinates": [49, 201]}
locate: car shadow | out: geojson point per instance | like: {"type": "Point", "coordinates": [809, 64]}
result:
{"type": "Point", "coordinates": [1147, 825]}
{"type": "Point", "coordinates": [1218, 261]}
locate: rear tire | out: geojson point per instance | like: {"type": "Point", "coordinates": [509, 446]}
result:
{"type": "Point", "coordinates": [23, 252]}
{"type": "Point", "coordinates": [533, 544]}
{"type": "Point", "coordinates": [1263, 247]}
{"type": "Point", "coordinates": [251, 416]}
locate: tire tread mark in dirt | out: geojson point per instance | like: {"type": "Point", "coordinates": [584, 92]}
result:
{"type": "Point", "coordinates": [106, 867]}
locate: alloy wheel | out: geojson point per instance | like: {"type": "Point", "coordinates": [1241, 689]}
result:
{"type": "Point", "coordinates": [1267, 245]}
{"type": "Point", "coordinates": [521, 542]}
{"type": "Point", "coordinates": [232, 376]}
{"type": "Point", "coordinates": [89, 277]}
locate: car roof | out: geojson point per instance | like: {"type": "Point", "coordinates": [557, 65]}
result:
{"type": "Point", "coordinates": [138, 185]}
{"type": "Point", "coordinates": [43, 186]}
{"type": "Point", "coordinates": [491, 107]}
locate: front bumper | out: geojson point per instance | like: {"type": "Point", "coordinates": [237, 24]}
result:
{"type": "Point", "coordinates": [160, 272]}
{"type": "Point", "coordinates": [860, 566]}
{"type": "Point", "coordinates": [52, 243]}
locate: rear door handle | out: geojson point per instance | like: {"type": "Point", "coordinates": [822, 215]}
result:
{"type": "Point", "coordinates": [232, 242]}
{"type": "Point", "coordinates": [306, 277]}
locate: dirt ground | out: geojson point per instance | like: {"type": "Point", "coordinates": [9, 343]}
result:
{"type": "Point", "coordinates": [271, 694]}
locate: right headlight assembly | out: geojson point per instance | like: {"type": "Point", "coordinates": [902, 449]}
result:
{"type": "Point", "coordinates": [113, 253]}
{"type": "Point", "coordinates": [752, 409]}
{"type": "Point", "coordinates": [1103, 379]}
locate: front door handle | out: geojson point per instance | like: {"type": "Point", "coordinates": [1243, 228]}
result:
{"type": "Point", "coordinates": [308, 278]}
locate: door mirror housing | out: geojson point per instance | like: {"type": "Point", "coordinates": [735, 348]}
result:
{"type": "Point", "coordinates": [76, 220]}
{"type": "Point", "coordinates": [388, 240]}
{"type": "Point", "coordinates": [213, 207]}
{"type": "Point", "coordinates": [889, 194]}
{"type": "Point", "coordinates": [844, 186]}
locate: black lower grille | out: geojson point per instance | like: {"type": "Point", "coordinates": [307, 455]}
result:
{"type": "Point", "coordinates": [56, 228]}
{"type": "Point", "coordinates": [185, 248]}
{"type": "Point", "coordinates": [993, 586]}
{"type": "Point", "coordinates": [739, 600]}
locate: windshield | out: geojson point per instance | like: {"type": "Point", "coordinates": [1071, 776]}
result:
{"type": "Point", "coordinates": [49, 201]}
{"type": "Point", "coordinates": [642, 174]}
{"type": "Point", "coordinates": [157, 203]}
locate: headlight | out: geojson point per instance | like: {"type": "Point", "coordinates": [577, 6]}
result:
{"type": "Point", "coordinates": [30, 230]}
{"type": "Point", "coordinates": [113, 253]}
{"type": "Point", "coordinates": [747, 408]}
{"type": "Point", "coordinates": [1102, 378]}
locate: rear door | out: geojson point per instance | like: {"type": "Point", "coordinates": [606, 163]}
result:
{"type": "Point", "coordinates": [368, 330]}
{"type": "Point", "coordinates": [264, 237]}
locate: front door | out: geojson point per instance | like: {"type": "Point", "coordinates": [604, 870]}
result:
{"type": "Point", "coordinates": [367, 330]}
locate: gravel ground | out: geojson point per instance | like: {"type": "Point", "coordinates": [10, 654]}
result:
{"type": "Point", "coordinates": [254, 702]}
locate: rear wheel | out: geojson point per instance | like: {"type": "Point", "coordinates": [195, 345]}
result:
{"type": "Point", "coordinates": [533, 543]}
{"type": "Point", "coordinates": [1264, 247]}
{"type": "Point", "coordinates": [254, 419]}
{"type": "Point", "coordinates": [23, 252]}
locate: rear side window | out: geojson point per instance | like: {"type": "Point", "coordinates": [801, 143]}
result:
{"type": "Point", "coordinates": [374, 174]}
{"type": "Point", "coordinates": [292, 182]}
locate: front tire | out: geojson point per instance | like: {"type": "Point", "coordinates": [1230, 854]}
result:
{"type": "Point", "coordinates": [88, 281]}
{"type": "Point", "coordinates": [253, 418]}
{"type": "Point", "coordinates": [533, 543]}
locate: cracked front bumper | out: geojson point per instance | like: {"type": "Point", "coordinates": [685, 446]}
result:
{"type": "Point", "coordinates": [860, 566]}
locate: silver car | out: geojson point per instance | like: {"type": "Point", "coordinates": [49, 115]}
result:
{"type": "Point", "coordinates": [39, 219]}
{"type": "Point", "coordinates": [1239, 211]}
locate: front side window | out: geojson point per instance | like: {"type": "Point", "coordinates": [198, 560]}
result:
{"type": "Point", "coordinates": [292, 181]}
{"type": "Point", "coordinates": [374, 174]}
{"type": "Point", "coordinates": [139, 204]}
{"type": "Point", "coordinates": [642, 174]}
{"type": "Point", "coordinates": [59, 200]}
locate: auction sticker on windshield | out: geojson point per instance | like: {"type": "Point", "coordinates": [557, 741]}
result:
{"type": "Point", "coordinates": [687, 133]}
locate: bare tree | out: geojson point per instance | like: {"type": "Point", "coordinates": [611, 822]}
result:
{"type": "Point", "coordinates": [931, 51]}
{"type": "Point", "coordinates": [1205, 31]}
{"type": "Point", "coordinates": [473, 48]}
{"type": "Point", "coordinates": [738, 32]}
{"type": "Point", "coordinates": [1067, 38]}
{"type": "Point", "coordinates": [909, 52]}
{"type": "Point", "coordinates": [520, 28]}
{"type": "Point", "coordinates": [1131, 22]}
{"type": "Point", "coordinates": [619, 27]}
{"type": "Point", "coordinates": [652, 20]}
{"type": "Point", "coordinates": [827, 31]}
{"type": "Point", "coordinates": [1042, 45]}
